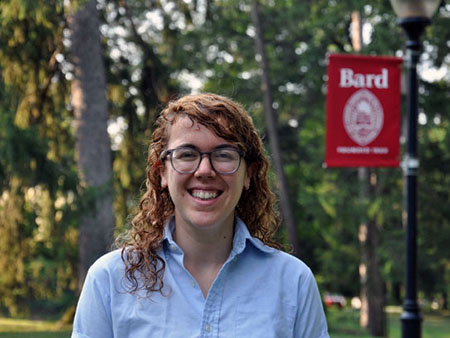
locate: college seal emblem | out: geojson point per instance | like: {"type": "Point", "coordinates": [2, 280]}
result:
{"type": "Point", "coordinates": [363, 117]}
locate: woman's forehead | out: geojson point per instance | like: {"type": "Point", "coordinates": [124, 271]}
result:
{"type": "Point", "coordinates": [186, 123]}
{"type": "Point", "coordinates": [214, 124]}
{"type": "Point", "coordinates": [184, 126]}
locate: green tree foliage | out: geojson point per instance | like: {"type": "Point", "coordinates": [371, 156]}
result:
{"type": "Point", "coordinates": [434, 195]}
{"type": "Point", "coordinates": [37, 173]}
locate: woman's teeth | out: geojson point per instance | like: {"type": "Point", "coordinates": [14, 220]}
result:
{"type": "Point", "coordinates": [205, 195]}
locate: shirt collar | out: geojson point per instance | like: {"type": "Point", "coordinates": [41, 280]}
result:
{"type": "Point", "coordinates": [241, 237]}
{"type": "Point", "coordinates": [168, 231]}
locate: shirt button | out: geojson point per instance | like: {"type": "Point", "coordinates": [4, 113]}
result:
{"type": "Point", "coordinates": [234, 259]}
{"type": "Point", "coordinates": [208, 328]}
{"type": "Point", "coordinates": [173, 247]}
{"type": "Point", "coordinates": [193, 283]}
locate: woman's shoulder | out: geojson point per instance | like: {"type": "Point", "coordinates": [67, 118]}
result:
{"type": "Point", "coordinates": [108, 263]}
{"type": "Point", "coordinates": [277, 258]}
{"type": "Point", "coordinates": [290, 261]}
{"type": "Point", "coordinates": [285, 264]}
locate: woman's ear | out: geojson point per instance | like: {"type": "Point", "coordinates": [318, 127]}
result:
{"type": "Point", "coordinates": [161, 167]}
{"type": "Point", "coordinates": [248, 176]}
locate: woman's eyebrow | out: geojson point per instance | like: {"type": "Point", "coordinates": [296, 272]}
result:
{"type": "Point", "coordinates": [220, 146]}
{"type": "Point", "coordinates": [225, 146]}
{"type": "Point", "coordinates": [186, 145]}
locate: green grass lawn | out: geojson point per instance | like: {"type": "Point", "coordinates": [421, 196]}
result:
{"type": "Point", "coordinates": [345, 324]}
{"type": "Point", "coordinates": [342, 324]}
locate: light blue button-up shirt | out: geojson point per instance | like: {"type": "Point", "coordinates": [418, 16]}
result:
{"type": "Point", "coordinates": [259, 292]}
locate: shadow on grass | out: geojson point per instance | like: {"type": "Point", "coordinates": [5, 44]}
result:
{"type": "Point", "coordinates": [43, 334]}
{"type": "Point", "coordinates": [344, 323]}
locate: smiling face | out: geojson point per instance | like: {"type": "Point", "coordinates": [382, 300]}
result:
{"type": "Point", "coordinates": [205, 199]}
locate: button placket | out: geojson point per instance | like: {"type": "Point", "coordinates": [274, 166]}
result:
{"type": "Point", "coordinates": [213, 305]}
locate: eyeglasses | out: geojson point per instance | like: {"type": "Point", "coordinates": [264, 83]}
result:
{"type": "Point", "coordinates": [186, 160]}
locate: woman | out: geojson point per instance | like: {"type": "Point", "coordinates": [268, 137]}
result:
{"type": "Point", "coordinates": [199, 260]}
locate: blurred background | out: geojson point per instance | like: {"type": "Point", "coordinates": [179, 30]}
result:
{"type": "Point", "coordinates": [81, 83]}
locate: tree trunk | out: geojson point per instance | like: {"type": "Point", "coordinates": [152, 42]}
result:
{"type": "Point", "coordinates": [444, 300]}
{"type": "Point", "coordinates": [364, 255]}
{"type": "Point", "coordinates": [92, 141]}
{"type": "Point", "coordinates": [375, 286]}
{"type": "Point", "coordinates": [272, 129]}
{"type": "Point", "coordinates": [372, 314]}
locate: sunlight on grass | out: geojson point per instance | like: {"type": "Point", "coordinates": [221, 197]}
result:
{"type": "Point", "coordinates": [12, 328]}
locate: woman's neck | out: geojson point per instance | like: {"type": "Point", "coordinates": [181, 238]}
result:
{"type": "Point", "coordinates": [205, 251]}
{"type": "Point", "coordinates": [205, 245]}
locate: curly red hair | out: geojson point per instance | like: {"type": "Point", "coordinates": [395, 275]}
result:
{"type": "Point", "coordinates": [228, 120]}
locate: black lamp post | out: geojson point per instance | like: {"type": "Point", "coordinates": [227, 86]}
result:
{"type": "Point", "coordinates": [414, 16]}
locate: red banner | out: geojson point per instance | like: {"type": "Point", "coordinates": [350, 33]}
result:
{"type": "Point", "coordinates": [363, 111]}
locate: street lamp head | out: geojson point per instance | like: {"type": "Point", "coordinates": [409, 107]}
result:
{"type": "Point", "coordinates": [414, 16]}
{"type": "Point", "coordinates": [415, 8]}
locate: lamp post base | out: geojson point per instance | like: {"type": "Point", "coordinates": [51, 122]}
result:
{"type": "Point", "coordinates": [411, 325]}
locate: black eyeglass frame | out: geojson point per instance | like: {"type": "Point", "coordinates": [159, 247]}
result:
{"type": "Point", "coordinates": [169, 152]}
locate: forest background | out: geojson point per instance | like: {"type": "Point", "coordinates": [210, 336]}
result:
{"type": "Point", "coordinates": [155, 50]}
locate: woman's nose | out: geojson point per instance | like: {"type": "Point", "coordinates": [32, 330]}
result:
{"type": "Point", "coordinates": [205, 168]}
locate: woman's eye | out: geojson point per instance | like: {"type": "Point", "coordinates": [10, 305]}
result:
{"type": "Point", "coordinates": [186, 155]}
{"type": "Point", "coordinates": [225, 155]}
